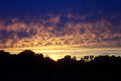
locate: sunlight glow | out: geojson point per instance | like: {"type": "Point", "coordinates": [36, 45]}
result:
{"type": "Point", "coordinates": [58, 52]}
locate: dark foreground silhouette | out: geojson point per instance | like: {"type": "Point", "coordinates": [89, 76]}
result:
{"type": "Point", "coordinates": [28, 66]}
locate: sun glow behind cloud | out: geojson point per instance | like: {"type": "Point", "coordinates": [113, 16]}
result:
{"type": "Point", "coordinates": [57, 33]}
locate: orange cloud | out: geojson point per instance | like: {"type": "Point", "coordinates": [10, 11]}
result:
{"type": "Point", "coordinates": [84, 34]}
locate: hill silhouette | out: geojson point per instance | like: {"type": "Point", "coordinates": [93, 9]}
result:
{"type": "Point", "coordinates": [29, 66]}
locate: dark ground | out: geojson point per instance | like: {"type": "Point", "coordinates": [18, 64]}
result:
{"type": "Point", "coordinates": [28, 66]}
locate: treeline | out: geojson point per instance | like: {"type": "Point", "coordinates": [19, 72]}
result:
{"type": "Point", "coordinates": [29, 66]}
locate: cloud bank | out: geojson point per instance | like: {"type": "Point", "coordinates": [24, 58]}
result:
{"type": "Point", "coordinates": [72, 30]}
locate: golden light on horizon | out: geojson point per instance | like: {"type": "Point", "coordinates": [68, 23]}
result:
{"type": "Point", "coordinates": [58, 52]}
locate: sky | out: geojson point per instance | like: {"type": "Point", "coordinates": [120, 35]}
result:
{"type": "Point", "coordinates": [60, 24]}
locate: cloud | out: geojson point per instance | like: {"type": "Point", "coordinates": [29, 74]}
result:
{"type": "Point", "coordinates": [55, 19]}
{"type": "Point", "coordinates": [57, 31]}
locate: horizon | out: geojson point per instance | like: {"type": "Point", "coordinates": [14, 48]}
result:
{"type": "Point", "coordinates": [79, 53]}
{"type": "Point", "coordinates": [72, 27]}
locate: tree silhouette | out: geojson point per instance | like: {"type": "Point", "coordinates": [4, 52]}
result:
{"type": "Point", "coordinates": [27, 53]}
{"type": "Point", "coordinates": [28, 65]}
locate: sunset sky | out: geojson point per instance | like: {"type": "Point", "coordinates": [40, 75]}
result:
{"type": "Point", "coordinates": [60, 25]}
